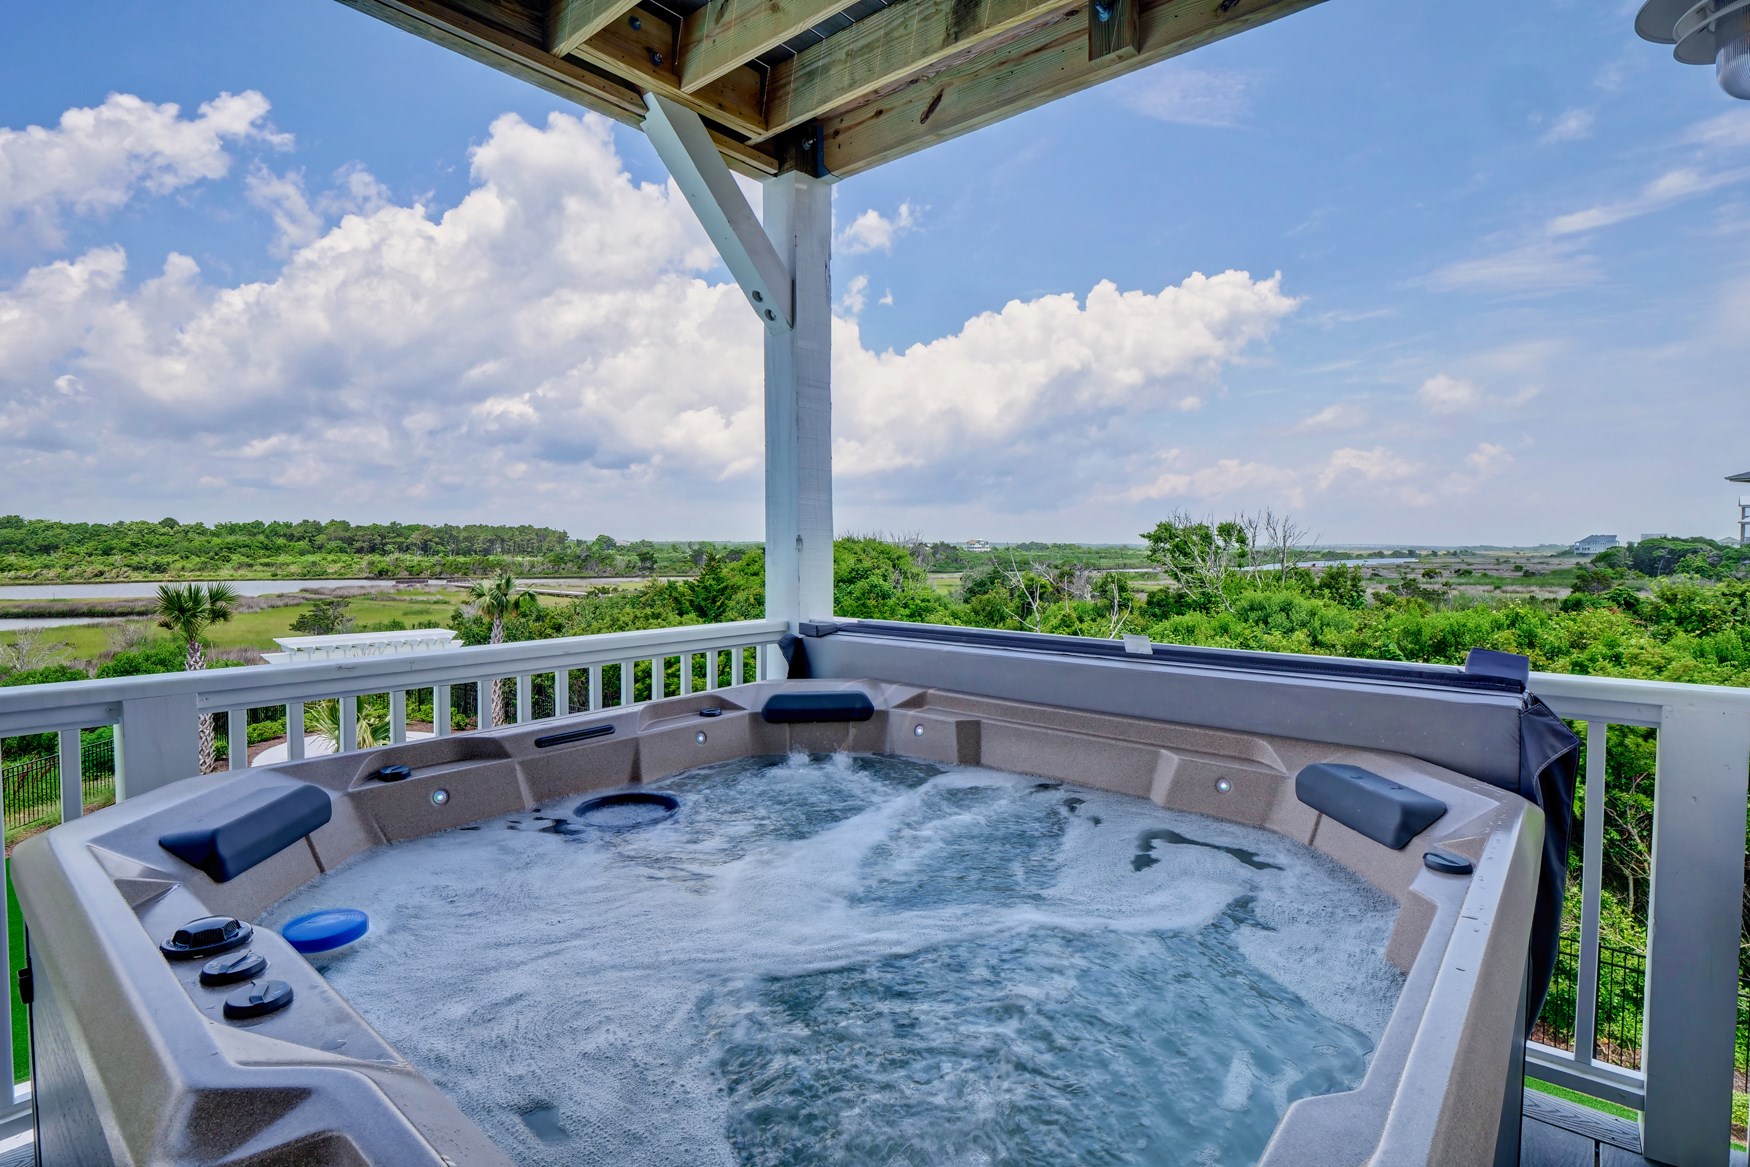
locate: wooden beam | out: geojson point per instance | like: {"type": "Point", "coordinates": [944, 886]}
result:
{"type": "Point", "coordinates": [1045, 62]}
{"type": "Point", "coordinates": [509, 53]}
{"type": "Point", "coordinates": [640, 47]}
{"type": "Point", "coordinates": [727, 33]}
{"type": "Point", "coordinates": [885, 49]}
{"type": "Point", "coordinates": [571, 22]}
{"type": "Point", "coordinates": [1114, 28]}
{"type": "Point", "coordinates": [489, 45]}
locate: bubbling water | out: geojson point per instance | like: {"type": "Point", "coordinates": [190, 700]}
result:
{"type": "Point", "coordinates": [855, 960]}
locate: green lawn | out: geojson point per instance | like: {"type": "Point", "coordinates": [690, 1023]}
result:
{"type": "Point", "coordinates": [257, 629]}
{"type": "Point", "coordinates": [15, 948]}
{"type": "Point", "coordinates": [1581, 1099]}
{"type": "Point", "coordinates": [1738, 1104]}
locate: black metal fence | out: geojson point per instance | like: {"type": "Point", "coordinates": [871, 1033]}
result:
{"type": "Point", "coordinates": [1622, 977]}
{"type": "Point", "coordinates": [32, 786]}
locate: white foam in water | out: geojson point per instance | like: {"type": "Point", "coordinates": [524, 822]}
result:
{"type": "Point", "coordinates": [865, 960]}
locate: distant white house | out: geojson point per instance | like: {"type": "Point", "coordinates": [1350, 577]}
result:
{"type": "Point", "coordinates": [351, 645]}
{"type": "Point", "coordinates": [1593, 544]}
{"type": "Point", "coordinates": [1743, 509]}
{"type": "Point", "coordinates": [977, 545]}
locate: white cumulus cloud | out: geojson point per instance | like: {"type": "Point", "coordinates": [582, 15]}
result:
{"type": "Point", "coordinates": [1484, 462]}
{"type": "Point", "coordinates": [1226, 478]}
{"type": "Point", "coordinates": [1572, 126]}
{"type": "Point", "coordinates": [1443, 394]}
{"type": "Point", "coordinates": [1036, 363]}
{"type": "Point", "coordinates": [550, 347]}
{"type": "Point", "coordinates": [298, 219]}
{"type": "Point", "coordinates": [1342, 415]}
{"type": "Point", "coordinates": [96, 158]}
{"type": "Point", "coordinates": [1375, 465]}
{"type": "Point", "coordinates": [873, 231]}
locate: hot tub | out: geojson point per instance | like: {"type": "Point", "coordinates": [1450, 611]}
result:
{"type": "Point", "coordinates": [138, 1062]}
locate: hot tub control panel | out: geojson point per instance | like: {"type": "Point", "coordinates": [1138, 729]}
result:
{"type": "Point", "coordinates": [254, 979]}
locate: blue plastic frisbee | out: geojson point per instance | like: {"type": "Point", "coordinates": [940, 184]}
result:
{"type": "Point", "coordinates": [327, 929]}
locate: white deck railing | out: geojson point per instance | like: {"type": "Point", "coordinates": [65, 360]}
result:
{"type": "Point", "coordinates": [1694, 910]}
{"type": "Point", "coordinates": [1683, 1088]}
{"type": "Point", "coordinates": [156, 718]}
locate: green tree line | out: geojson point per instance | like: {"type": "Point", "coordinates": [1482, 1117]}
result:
{"type": "Point", "coordinates": [49, 550]}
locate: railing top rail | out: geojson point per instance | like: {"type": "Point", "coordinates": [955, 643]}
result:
{"type": "Point", "coordinates": [1628, 701]}
{"type": "Point", "coordinates": [347, 639]}
{"type": "Point", "coordinates": [33, 708]}
{"type": "Point", "coordinates": [67, 704]}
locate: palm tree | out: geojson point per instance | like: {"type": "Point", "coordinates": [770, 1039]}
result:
{"type": "Point", "coordinates": [189, 611]}
{"type": "Point", "coordinates": [496, 599]}
{"type": "Point", "coordinates": [371, 725]}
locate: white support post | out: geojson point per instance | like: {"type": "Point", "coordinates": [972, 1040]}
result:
{"type": "Point", "coordinates": [561, 692]}
{"type": "Point", "coordinates": [595, 688]}
{"type": "Point", "coordinates": [440, 710]}
{"type": "Point", "coordinates": [799, 531]}
{"type": "Point", "coordinates": [628, 679]}
{"type": "Point", "coordinates": [785, 267]}
{"type": "Point", "coordinates": [525, 698]}
{"type": "Point", "coordinates": [398, 715]}
{"type": "Point", "coordinates": [157, 742]}
{"type": "Point", "coordinates": [1696, 900]}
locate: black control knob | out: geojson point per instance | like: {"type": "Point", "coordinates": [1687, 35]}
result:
{"type": "Point", "coordinates": [207, 936]}
{"type": "Point", "coordinates": [258, 1000]}
{"type": "Point", "coordinates": [233, 967]}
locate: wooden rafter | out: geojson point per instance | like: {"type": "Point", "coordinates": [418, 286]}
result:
{"type": "Point", "coordinates": [571, 22]}
{"type": "Point", "coordinates": [727, 33]}
{"type": "Point", "coordinates": [641, 48]}
{"type": "Point", "coordinates": [519, 54]}
{"type": "Point", "coordinates": [903, 78]}
{"type": "Point", "coordinates": [885, 49]}
{"type": "Point", "coordinates": [1043, 63]}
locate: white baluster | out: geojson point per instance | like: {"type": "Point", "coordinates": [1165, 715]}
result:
{"type": "Point", "coordinates": [1592, 885]}
{"type": "Point", "coordinates": [349, 726]}
{"type": "Point", "coordinates": [72, 777]}
{"type": "Point", "coordinates": [294, 730]}
{"type": "Point", "coordinates": [236, 739]}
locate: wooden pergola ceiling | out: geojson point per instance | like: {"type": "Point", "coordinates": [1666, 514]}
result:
{"type": "Point", "coordinates": [826, 86]}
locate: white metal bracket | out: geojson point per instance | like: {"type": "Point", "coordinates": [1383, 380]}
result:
{"type": "Point", "coordinates": [684, 144]}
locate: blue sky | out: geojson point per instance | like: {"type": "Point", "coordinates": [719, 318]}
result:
{"type": "Point", "coordinates": [1494, 290]}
